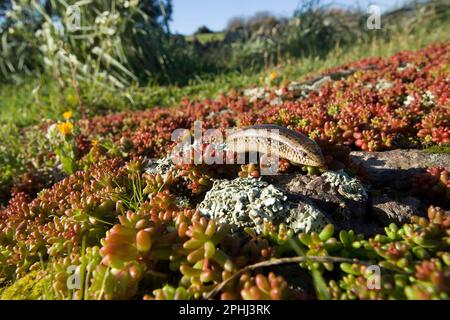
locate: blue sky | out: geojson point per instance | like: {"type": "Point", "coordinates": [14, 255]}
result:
{"type": "Point", "coordinates": [188, 15]}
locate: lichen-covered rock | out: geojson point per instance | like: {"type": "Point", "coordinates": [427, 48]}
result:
{"type": "Point", "coordinates": [346, 202]}
{"type": "Point", "coordinates": [395, 168]}
{"type": "Point", "coordinates": [388, 210]}
{"type": "Point", "coordinates": [307, 202]}
{"type": "Point", "coordinates": [342, 198]}
{"type": "Point", "coordinates": [160, 166]}
{"type": "Point", "coordinates": [350, 188]}
{"type": "Point", "coordinates": [302, 89]}
{"type": "Point", "coordinates": [245, 202]}
{"type": "Point", "coordinates": [255, 93]}
{"type": "Point", "coordinates": [306, 218]}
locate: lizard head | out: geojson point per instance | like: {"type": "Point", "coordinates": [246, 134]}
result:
{"type": "Point", "coordinates": [308, 155]}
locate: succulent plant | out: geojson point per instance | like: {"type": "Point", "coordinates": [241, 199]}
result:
{"type": "Point", "coordinates": [360, 111]}
{"type": "Point", "coordinates": [434, 183]}
{"type": "Point", "coordinates": [121, 223]}
{"type": "Point", "coordinates": [261, 287]}
{"type": "Point", "coordinates": [249, 170]}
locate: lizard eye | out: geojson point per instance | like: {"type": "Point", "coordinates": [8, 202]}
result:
{"type": "Point", "coordinates": [300, 151]}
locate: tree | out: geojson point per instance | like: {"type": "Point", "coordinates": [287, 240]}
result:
{"type": "Point", "coordinates": [203, 29]}
{"type": "Point", "coordinates": [159, 10]}
{"type": "Point", "coordinates": [236, 23]}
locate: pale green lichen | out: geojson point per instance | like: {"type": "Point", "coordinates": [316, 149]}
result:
{"type": "Point", "coordinates": [348, 187]}
{"type": "Point", "coordinates": [160, 166]}
{"type": "Point", "coordinates": [245, 203]}
{"type": "Point", "coordinates": [306, 218]}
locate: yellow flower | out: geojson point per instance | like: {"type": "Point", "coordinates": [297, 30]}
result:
{"type": "Point", "coordinates": [67, 115]}
{"type": "Point", "coordinates": [273, 75]}
{"type": "Point", "coordinates": [65, 128]}
{"type": "Point", "coordinates": [94, 142]}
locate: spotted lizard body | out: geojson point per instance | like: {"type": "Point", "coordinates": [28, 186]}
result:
{"type": "Point", "coordinates": [283, 142]}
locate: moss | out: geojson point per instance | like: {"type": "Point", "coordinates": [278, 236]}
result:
{"type": "Point", "coordinates": [30, 287]}
{"type": "Point", "coordinates": [440, 149]}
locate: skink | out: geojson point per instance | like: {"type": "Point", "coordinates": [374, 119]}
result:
{"type": "Point", "coordinates": [283, 142]}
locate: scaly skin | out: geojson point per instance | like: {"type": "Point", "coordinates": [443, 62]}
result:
{"type": "Point", "coordinates": [282, 142]}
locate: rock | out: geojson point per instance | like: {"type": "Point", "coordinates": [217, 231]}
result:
{"type": "Point", "coordinates": [247, 202]}
{"type": "Point", "coordinates": [325, 195]}
{"type": "Point", "coordinates": [385, 170]}
{"type": "Point", "coordinates": [345, 202]}
{"type": "Point", "coordinates": [388, 210]}
{"type": "Point", "coordinates": [160, 166]}
{"type": "Point", "coordinates": [395, 168]}
{"type": "Point", "coordinates": [307, 203]}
